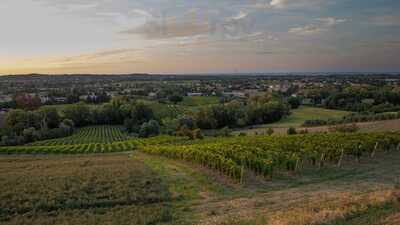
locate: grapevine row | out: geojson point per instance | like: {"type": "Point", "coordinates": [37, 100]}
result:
{"type": "Point", "coordinates": [264, 155]}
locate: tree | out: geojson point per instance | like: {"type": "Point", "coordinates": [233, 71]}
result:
{"type": "Point", "coordinates": [67, 125]}
{"type": "Point", "coordinates": [27, 102]}
{"type": "Point", "coordinates": [270, 131]}
{"type": "Point", "coordinates": [79, 113]}
{"type": "Point", "coordinates": [139, 114]}
{"type": "Point", "coordinates": [291, 131]}
{"type": "Point", "coordinates": [294, 102]}
{"type": "Point", "coordinates": [175, 99]}
{"type": "Point", "coordinates": [149, 129]}
{"type": "Point", "coordinates": [204, 119]}
{"type": "Point", "coordinates": [18, 120]}
{"type": "Point", "coordinates": [49, 117]}
{"type": "Point", "coordinates": [186, 121]}
{"type": "Point", "coordinates": [28, 134]}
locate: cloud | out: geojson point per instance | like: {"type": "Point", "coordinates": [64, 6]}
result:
{"type": "Point", "coordinates": [306, 30]}
{"type": "Point", "coordinates": [387, 20]}
{"type": "Point", "coordinates": [281, 4]}
{"type": "Point", "coordinates": [330, 21]}
{"type": "Point", "coordinates": [142, 13]}
{"type": "Point", "coordinates": [240, 16]}
{"type": "Point", "coordinates": [169, 28]}
{"type": "Point", "coordinates": [324, 24]}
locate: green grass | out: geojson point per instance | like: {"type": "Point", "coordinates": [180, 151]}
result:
{"type": "Point", "coordinates": [81, 190]}
{"type": "Point", "coordinates": [166, 110]}
{"type": "Point", "coordinates": [199, 100]}
{"type": "Point", "coordinates": [298, 116]}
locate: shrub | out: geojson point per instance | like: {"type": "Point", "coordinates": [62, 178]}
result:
{"type": "Point", "coordinates": [345, 128]}
{"type": "Point", "coordinates": [291, 131]}
{"type": "Point", "coordinates": [270, 131]}
{"type": "Point", "coordinates": [149, 129]}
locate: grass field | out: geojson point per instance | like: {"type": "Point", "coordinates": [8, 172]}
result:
{"type": "Point", "coordinates": [199, 100]}
{"type": "Point", "coordinates": [144, 189]}
{"type": "Point", "coordinates": [298, 116]}
{"type": "Point", "coordinates": [166, 110]}
{"type": "Point", "coordinates": [81, 190]}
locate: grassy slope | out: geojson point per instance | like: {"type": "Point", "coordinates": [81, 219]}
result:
{"type": "Point", "coordinates": [199, 100]}
{"type": "Point", "coordinates": [298, 116]}
{"type": "Point", "coordinates": [330, 196]}
{"type": "Point", "coordinates": [166, 110]}
{"type": "Point", "coordinates": [109, 189]}
{"type": "Point", "coordinates": [144, 189]}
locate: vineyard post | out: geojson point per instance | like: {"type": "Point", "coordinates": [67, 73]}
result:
{"type": "Point", "coordinates": [341, 158]}
{"type": "Point", "coordinates": [241, 175]}
{"type": "Point", "coordinates": [321, 161]}
{"type": "Point", "coordinates": [297, 164]}
{"type": "Point", "coordinates": [374, 151]}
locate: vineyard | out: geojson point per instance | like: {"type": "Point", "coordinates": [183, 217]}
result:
{"type": "Point", "coordinates": [98, 139]}
{"type": "Point", "coordinates": [89, 135]}
{"type": "Point", "coordinates": [269, 156]}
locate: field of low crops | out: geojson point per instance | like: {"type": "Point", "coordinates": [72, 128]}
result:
{"type": "Point", "coordinates": [101, 189]}
{"type": "Point", "coordinates": [96, 139]}
{"type": "Point", "coordinates": [269, 156]}
{"type": "Point", "coordinates": [89, 135]}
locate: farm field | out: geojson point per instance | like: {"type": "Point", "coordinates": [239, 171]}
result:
{"type": "Point", "coordinates": [199, 100]}
{"type": "Point", "coordinates": [88, 135]}
{"type": "Point", "coordinates": [298, 116]}
{"type": "Point", "coordinates": [95, 139]}
{"type": "Point", "coordinates": [81, 190]}
{"type": "Point", "coordinates": [166, 110]}
{"type": "Point", "coordinates": [365, 127]}
{"type": "Point", "coordinates": [150, 189]}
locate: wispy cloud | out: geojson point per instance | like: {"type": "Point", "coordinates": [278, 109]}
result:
{"type": "Point", "coordinates": [324, 24]}
{"type": "Point", "coordinates": [170, 28]}
{"type": "Point", "coordinates": [386, 20]}
{"type": "Point", "coordinates": [240, 16]}
{"type": "Point", "coordinates": [281, 4]}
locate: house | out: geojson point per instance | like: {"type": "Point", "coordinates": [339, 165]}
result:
{"type": "Point", "coordinates": [237, 94]}
{"type": "Point", "coordinates": [192, 94]}
{"type": "Point", "coordinates": [253, 92]}
{"type": "Point", "coordinates": [44, 97]}
{"type": "Point", "coordinates": [5, 98]}
{"type": "Point", "coordinates": [60, 99]}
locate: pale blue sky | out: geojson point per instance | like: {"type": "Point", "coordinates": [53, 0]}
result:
{"type": "Point", "coordinates": [192, 36]}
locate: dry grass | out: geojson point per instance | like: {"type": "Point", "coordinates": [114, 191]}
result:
{"type": "Point", "coordinates": [377, 126]}
{"type": "Point", "coordinates": [319, 208]}
{"type": "Point", "coordinates": [111, 189]}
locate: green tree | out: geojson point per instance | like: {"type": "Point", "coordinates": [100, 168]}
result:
{"type": "Point", "coordinates": [149, 129]}
{"type": "Point", "coordinates": [175, 99]}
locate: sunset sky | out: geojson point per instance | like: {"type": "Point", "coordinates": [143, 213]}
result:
{"type": "Point", "coordinates": [199, 36]}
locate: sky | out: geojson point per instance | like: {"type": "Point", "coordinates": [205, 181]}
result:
{"type": "Point", "coordinates": [199, 36]}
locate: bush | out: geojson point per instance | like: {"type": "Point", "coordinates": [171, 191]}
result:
{"type": "Point", "coordinates": [345, 128]}
{"type": "Point", "coordinates": [149, 129]}
{"type": "Point", "coordinates": [270, 131]}
{"type": "Point", "coordinates": [291, 131]}
{"type": "Point", "coordinates": [294, 102]}
{"type": "Point", "coordinates": [314, 123]}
